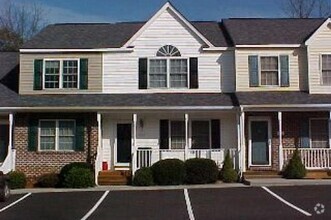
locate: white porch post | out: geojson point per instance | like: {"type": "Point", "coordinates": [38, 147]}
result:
{"type": "Point", "coordinates": [10, 144]}
{"type": "Point", "coordinates": [239, 142]}
{"type": "Point", "coordinates": [186, 136]}
{"type": "Point", "coordinates": [280, 149]}
{"type": "Point", "coordinates": [134, 145]}
{"type": "Point", "coordinates": [330, 129]}
{"type": "Point", "coordinates": [242, 140]}
{"type": "Point", "coordinates": [99, 157]}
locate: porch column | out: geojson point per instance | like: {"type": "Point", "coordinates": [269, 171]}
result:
{"type": "Point", "coordinates": [239, 141]}
{"type": "Point", "coordinates": [186, 136]}
{"type": "Point", "coordinates": [134, 144]}
{"type": "Point", "coordinates": [280, 149]}
{"type": "Point", "coordinates": [330, 129]}
{"type": "Point", "coordinates": [242, 140]}
{"type": "Point", "coordinates": [99, 157]}
{"type": "Point", "coordinates": [11, 151]}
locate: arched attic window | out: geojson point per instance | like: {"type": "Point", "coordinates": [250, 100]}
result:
{"type": "Point", "coordinates": [168, 51]}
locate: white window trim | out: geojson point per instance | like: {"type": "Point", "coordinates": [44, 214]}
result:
{"type": "Point", "coordinates": [310, 138]}
{"type": "Point", "coordinates": [56, 134]}
{"type": "Point", "coordinates": [321, 69]}
{"type": "Point", "coordinates": [61, 60]}
{"type": "Point", "coordinates": [260, 70]}
{"type": "Point", "coordinates": [168, 72]}
{"type": "Point", "coordinates": [250, 120]}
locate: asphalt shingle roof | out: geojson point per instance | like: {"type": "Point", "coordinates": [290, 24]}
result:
{"type": "Point", "coordinates": [282, 98]}
{"type": "Point", "coordinates": [259, 31]}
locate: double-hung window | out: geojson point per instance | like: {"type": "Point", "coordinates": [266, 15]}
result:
{"type": "Point", "coordinates": [61, 74]}
{"type": "Point", "coordinates": [57, 135]}
{"type": "Point", "coordinates": [319, 133]}
{"type": "Point", "coordinates": [269, 71]}
{"type": "Point", "coordinates": [177, 134]}
{"type": "Point", "coordinates": [168, 69]}
{"type": "Point", "coordinates": [326, 70]}
{"type": "Point", "coordinates": [201, 135]}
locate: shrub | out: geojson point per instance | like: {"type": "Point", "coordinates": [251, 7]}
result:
{"type": "Point", "coordinates": [79, 178]}
{"type": "Point", "coordinates": [65, 170]}
{"type": "Point", "coordinates": [17, 180]}
{"type": "Point", "coordinates": [295, 168]}
{"type": "Point", "coordinates": [227, 173]}
{"type": "Point", "coordinates": [143, 177]}
{"type": "Point", "coordinates": [200, 171]}
{"type": "Point", "coordinates": [168, 172]}
{"type": "Point", "coordinates": [48, 180]}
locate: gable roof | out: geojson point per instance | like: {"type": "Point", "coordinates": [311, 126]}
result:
{"type": "Point", "coordinates": [264, 31]}
{"type": "Point", "coordinates": [9, 71]}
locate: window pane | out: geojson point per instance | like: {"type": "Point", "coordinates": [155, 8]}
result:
{"type": "Point", "coordinates": [158, 73]}
{"type": "Point", "coordinates": [269, 71]}
{"type": "Point", "coordinates": [70, 73]}
{"type": "Point", "coordinates": [178, 73]}
{"type": "Point", "coordinates": [177, 135]}
{"type": "Point", "coordinates": [66, 135]}
{"type": "Point", "coordinates": [326, 69]}
{"type": "Point", "coordinates": [52, 74]}
{"type": "Point", "coordinates": [319, 133]}
{"type": "Point", "coordinates": [200, 135]}
{"type": "Point", "coordinates": [47, 135]}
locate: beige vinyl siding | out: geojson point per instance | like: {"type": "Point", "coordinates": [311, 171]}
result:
{"type": "Point", "coordinates": [320, 44]}
{"type": "Point", "coordinates": [242, 73]}
{"type": "Point", "coordinates": [27, 72]}
{"type": "Point", "coordinates": [121, 69]}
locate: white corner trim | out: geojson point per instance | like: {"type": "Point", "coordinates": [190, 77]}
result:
{"type": "Point", "coordinates": [166, 6]}
{"type": "Point", "coordinates": [76, 50]}
{"type": "Point", "coordinates": [269, 46]}
{"type": "Point", "coordinates": [217, 48]}
{"type": "Point", "coordinates": [325, 23]}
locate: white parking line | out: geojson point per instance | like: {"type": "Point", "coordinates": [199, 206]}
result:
{"type": "Point", "coordinates": [286, 202]}
{"type": "Point", "coordinates": [188, 205]}
{"type": "Point", "coordinates": [14, 203]}
{"type": "Point", "coordinates": [95, 206]}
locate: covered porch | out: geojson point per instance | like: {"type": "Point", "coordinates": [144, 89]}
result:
{"type": "Point", "coordinates": [7, 152]}
{"type": "Point", "coordinates": [131, 141]}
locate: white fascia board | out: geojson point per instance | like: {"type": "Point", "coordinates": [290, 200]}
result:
{"type": "Point", "coordinates": [76, 50]}
{"type": "Point", "coordinates": [270, 46]}
{"type": "Point", "coordinates": [217, 48]}
{"type": "Point", "coordinates": [166, 6]}
{"type": "Point", "coordinates": [325, 23]}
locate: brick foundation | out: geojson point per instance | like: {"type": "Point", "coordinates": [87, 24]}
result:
{"type": "Point", "coordinates": [34, 163]}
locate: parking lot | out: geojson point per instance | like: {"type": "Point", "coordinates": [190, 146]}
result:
{"type": "Point", "coordinates": [300, 202]}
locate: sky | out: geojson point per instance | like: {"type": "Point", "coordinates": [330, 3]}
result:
{"type": "Point", "coordinates": [70, 11]}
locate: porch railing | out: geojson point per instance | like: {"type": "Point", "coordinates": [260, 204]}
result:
{"type": "Point", "coordinates": [147, 157]}
{"type": "Point", "coordinates": [312, 158]}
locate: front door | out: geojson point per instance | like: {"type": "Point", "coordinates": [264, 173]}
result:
{"type": "Point", "coordinates": [123, 143]}
{"type": "Point", "coordinates": [260, 142]}
{"type": "Point", "coordinates": [4, 139]}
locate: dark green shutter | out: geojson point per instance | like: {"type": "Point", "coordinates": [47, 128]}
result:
{"type": "Point", "coordinates": [83, 75]}
{"type": "Point", "coordinates": [304, 134]}
{"type": "Point", "coordinates": [38, 75]}
{"type": "Point", "coordinates": [142, 73]}
{"type": "Point", "coordinates": [164, 134]}
{"type": "Point", "coordinates": [215, 134]}
{"type": "Point", "coordinates": [33, 134]}
{"type": "Point", "coordinates": [80, 134]}
{"type": "Point", "coordinates": [194, 79]}
{"type": "Point", "coordinates": [284, 71]}
{"type": "Point", "coordinates": [253, 66]}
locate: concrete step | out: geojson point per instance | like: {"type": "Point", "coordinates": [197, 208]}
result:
{"type": "Point", "coordinates": [318, 174]}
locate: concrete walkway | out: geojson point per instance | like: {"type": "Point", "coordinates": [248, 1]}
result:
{"type": "Point", "coordinates": [286, 182]}
{"type": "Point", "coordinates": [128, 188]}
